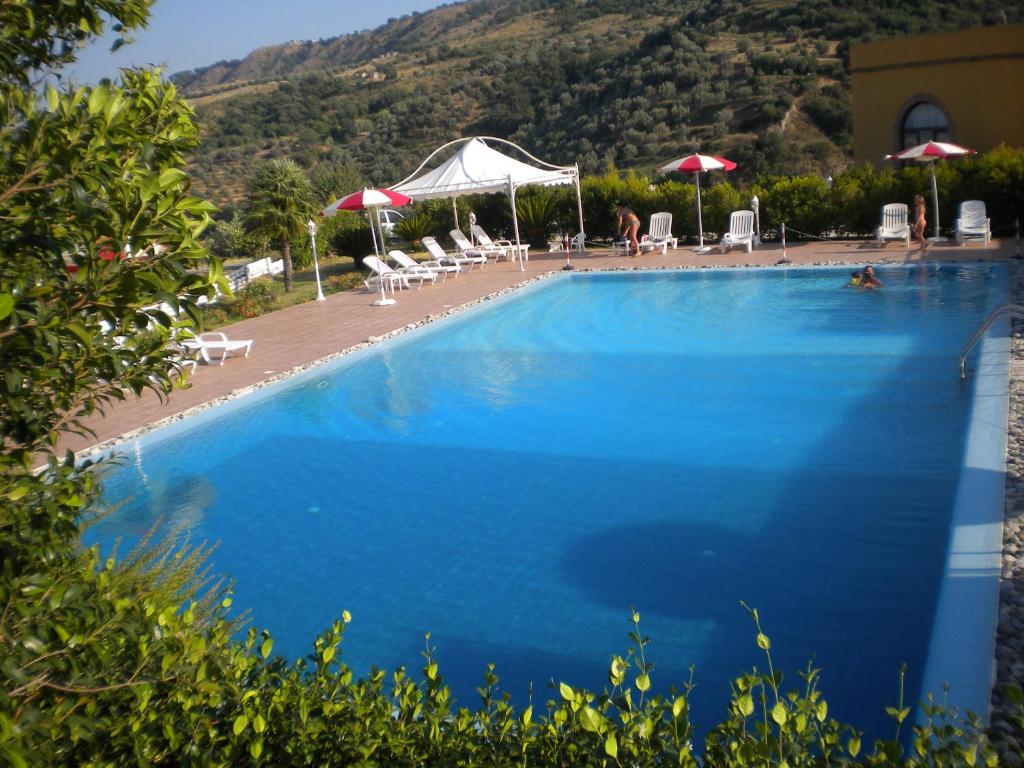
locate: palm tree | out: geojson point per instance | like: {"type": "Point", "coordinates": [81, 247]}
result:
{"type": "Point", "coordinates": [280, 201]}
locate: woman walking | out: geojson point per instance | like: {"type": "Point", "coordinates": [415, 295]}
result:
{"type": "Point", "coordinates": [919, 221]}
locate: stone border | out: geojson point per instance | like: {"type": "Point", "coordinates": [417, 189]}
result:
{"type": "Point", "coordinates": [1010, 632]}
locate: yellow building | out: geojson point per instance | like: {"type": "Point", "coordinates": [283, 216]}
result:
{"type": "Point", "coordinates": [965, 86]}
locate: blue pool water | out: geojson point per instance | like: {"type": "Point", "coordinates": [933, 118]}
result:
{"type": "Point", "coordinates": [515, 479]}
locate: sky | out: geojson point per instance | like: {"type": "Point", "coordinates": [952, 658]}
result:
{"type": "Point", "coordinates": [185, 34]}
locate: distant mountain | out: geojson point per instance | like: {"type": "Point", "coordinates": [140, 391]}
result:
{"type": "Point", "coordinates": [597, 82]}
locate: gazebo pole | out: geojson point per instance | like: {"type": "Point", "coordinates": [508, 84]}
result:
{"type": "Point", "coordinates": [579, 205]}
{"type": "Point", "coordinates": [455, 211]}
{"type": "Point", "coordinates": [515, 223]}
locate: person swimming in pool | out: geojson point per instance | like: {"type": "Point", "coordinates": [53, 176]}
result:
{"type": "Point", "coordinates": [628, 225]}
{"type": "Point", "coordinates": [868, 278]}
{"type": "Point", "coordinates": [854, 280]}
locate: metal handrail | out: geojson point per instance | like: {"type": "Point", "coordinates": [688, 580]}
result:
{"type": "Point", "coordinates": [1013, 310]}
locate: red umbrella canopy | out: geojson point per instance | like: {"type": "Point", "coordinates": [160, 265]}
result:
{"type": "Point", "coordinates": [931, 150]}
{"type": "Point", "coordinates": [696, 163]}
{"type": "Point", "coordinates": [367, 198]}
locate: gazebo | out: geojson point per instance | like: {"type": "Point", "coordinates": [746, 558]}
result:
{"type": "Point", "coordinates": [479, 169]}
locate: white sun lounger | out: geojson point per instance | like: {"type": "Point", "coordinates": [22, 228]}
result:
{"type": "Point", "coordinates": [507, 248]}
{"type": "Point", "coordinates": [435, 250]}
{"type": "Point", "coordinates": [401, 277]}
{"type": "Point", "coordinates": [894, 224]}
{"type": "Point", "coordinates": [741, 231]}
{"type": "Point", "coordinates": [477, 252]}
{"type": "Point", "coordinates": [973, 222]}
{"type": "Point", "coordinates": [214, 346]}
{"type": "Point", "coordinates": [409, 265]}
{"type": "Point", "coordinates": [659, 234]}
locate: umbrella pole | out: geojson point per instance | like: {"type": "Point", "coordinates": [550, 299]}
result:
{"type": "Point", "coordinates": [700, 221]}
{"type": "Point", "coordinates": [935, 199]}
{"type": "Point", "coordinates": [455, 212]}
{"type": "Point", "coordinates": [383, 301]}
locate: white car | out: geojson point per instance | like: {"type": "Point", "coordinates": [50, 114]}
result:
{"type": "Point", "coordinates": [388, 220]}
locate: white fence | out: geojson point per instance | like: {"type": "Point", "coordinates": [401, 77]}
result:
{"type": "Point", "coordinates": [239, 277]}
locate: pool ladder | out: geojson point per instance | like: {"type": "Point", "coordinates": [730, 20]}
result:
{"type": "Point", "coordinates": [1006, 310]}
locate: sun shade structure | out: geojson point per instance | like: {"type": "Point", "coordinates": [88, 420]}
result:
{"type": "Point", "coordinates": [696, 164]}
{"type": "Point", "coordinates": [929, 152]}
{"type": "Point", "coordinates": [479, 169]}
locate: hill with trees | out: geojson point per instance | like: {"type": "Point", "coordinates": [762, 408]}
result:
{"type": "Point", "coordinates": [588, 81]}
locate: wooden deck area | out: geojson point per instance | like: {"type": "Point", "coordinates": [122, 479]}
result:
{"type": "Point", "coordinates": [300, 335]}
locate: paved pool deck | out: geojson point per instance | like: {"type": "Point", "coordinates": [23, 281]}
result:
{"type": "Point", "coordinates": [300, 335]}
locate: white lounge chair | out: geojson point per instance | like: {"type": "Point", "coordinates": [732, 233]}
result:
{"type": "Point", "coordinates": [973, 222]}
{"type": "Point", "coordinates": [659, 234]}
{"type": "Point", "coordinates": [741, 231]}
{"type": "Point", "coordinates": [434, 249]}
{"type": "Point", "coordinates": [894, 224]}
{"type": "Point", "coordinates": [508, 249]}
{"type": "Point", "coordinates": [183, 357]}
{"type": "Point", "coordinates": [393, 277]}
{"type": "Point", "coordinates": [215, 346]}
{"type": "Point", "coordinates": [477, 252]}
{"type": "Point", "coordinates": [409, 266]}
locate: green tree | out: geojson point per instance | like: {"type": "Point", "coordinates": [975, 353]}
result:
{"type": "Point", "coordinates": [280, 202]}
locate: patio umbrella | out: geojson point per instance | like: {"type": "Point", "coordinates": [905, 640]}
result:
{"type": "Point", "coordinates": [929, 152]}
{"type": "Point", "coordinates": [370, 200]}
{"type": "Point", "coordinates": [695, 164]}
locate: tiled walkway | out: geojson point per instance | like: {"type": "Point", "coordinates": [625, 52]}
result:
{"type": "Point", "coordinates": [308, 332]}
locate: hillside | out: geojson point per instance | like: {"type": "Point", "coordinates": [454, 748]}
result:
{"type": "Point", "coordinates": [764, 82]}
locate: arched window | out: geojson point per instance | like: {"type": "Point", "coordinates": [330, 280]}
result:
{"type": "Point", "coordinates": [925, 122]}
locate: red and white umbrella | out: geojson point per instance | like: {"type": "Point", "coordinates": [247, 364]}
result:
{"type": "Point", "coordinates": [696, 164]}
{"type": "Point", "coordinates": [929, 152]}
{"type": "Point", "coordinates": [367, 198]}
{"type": "Point", "coordinates": [370, 200]}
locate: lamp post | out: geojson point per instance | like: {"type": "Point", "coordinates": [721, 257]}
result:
{"type": "Point", "coordinates": [311, 228]}
{"type": "Point", "coordinates": [754, 205]}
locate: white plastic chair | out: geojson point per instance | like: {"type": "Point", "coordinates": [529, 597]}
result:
{"type": "Point", "coordinates": [741, 231]}
{"type": "Point", "coordinates": [409, 266]}
{"type": "Point", "coordinates": [576, 243]}
{"type": "Point", "coordinates": [894, 224]}
{"type": "Point", "coordinates": [973, 222]}
{"type": "Point", "coordinates": [434, 249]}
{"type": "Point", "coordinates": [659, 234]}
{"type": "Point", "coordinates": [217, 343]}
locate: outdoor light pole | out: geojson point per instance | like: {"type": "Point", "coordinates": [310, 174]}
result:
{"type": "Point", "coordinates": [311, 228]}
{"type": "Point", "coordinates": [754, 204]}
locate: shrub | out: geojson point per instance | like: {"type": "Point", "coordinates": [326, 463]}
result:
{"type": "Point", "coordinates": [415, 228]}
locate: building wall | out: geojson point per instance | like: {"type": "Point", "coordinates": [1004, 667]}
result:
{"type": "Point", "coordinates": [975, 75]}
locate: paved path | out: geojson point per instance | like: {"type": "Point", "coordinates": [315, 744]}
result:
{"type": "Point", "coordinates": [308, 332]}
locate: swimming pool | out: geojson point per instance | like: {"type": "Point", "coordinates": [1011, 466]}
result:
{"type": "Point", "coordinates": [516, 478]}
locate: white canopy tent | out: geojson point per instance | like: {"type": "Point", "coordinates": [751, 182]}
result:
{"type": "Point", "coordinates": [479, 169]}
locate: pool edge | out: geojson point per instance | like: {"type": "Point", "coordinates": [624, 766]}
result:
{"type": "Point", "coordinates": [962, 649]}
